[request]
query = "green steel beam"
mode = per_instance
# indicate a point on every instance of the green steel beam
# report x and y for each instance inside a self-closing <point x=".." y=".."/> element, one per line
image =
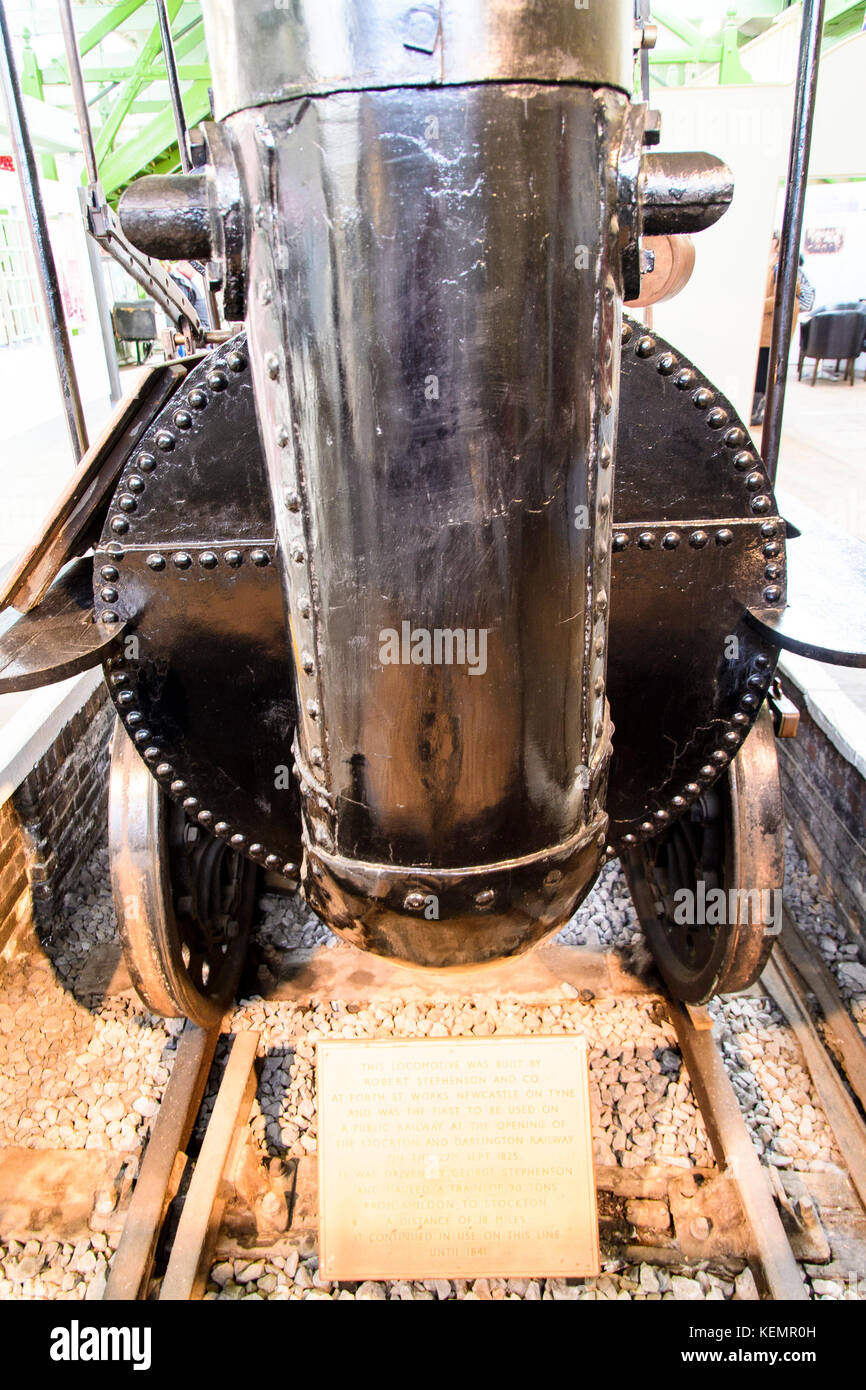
<point x="31" y="86"/>
<point x="731" y="70"/>
<point x="131" y="86"/>
<point x="123" y="164"/>
<point x="116" y="16"/>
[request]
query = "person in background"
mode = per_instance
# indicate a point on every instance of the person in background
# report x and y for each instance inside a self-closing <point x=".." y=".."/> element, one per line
<point x="762" y="373"/>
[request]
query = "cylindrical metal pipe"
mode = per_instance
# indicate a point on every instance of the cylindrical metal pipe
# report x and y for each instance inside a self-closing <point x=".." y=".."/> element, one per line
<point x="792" y="230"/>
<point x="37" y="221"/>
<point x="173" y="85"/>
<point x="79" y="95"/>
<point x="683" y="192"/>
<point x="168" y="216"/>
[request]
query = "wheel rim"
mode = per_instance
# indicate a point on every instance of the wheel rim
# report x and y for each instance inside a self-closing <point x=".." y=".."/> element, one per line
<point x="184" y="900"/>
<point x="732" y="838"/>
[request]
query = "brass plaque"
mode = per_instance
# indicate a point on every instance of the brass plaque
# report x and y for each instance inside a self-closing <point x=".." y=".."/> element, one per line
<point x="455" y="1158"/>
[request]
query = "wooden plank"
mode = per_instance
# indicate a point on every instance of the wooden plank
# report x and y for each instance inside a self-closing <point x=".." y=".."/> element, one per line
<point x="770" y="1251"/>
<point x="208" y="1190"/>
<point x="842" y="1113"/>
<point x="848" y="1041"/>
<point x="132" y="1263"/>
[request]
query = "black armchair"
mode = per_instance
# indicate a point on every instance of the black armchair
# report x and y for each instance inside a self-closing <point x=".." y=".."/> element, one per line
<point x="833" y="333"/>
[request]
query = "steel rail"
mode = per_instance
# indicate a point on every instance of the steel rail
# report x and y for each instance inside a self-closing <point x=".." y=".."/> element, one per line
<point x="37" y="222"/>
<point x="792" y="230"/>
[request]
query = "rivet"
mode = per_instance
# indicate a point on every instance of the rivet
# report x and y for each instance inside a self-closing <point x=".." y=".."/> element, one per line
<point x="485" y="897"/>
<point x="768" y="530"/>
<point x="661" y="816"/>
<point x="601" y="601"/>
<point x="126" y="502"/>
<point x="721" y="757"/>
<point x="754" y="482"/>
<point x="645" y="347"/>
<point x="717" y="418"/>
<point x="760" y="505"/>
<point x="749" y="702"/>
<point x="323" y="837"/>
<point x="646" y="540"/>
<point x="304" y="606"/>
<point x="772" y="593"/>
<point x="414" y="902"/>
<point x="234" y="558"/>
<point x="313" y="709"/>
<point x="217" y="381"/>
<point x="605" y="456"/>
<point x="724" y="536"/>
<point x="620" y="541"/>
<point x="692" y="789"/>
<point x="679" y="802"/>
<point x="732" y="738"/>
<point x="109" y="618"/>
<point x="757" y="682"/>
<point x="135" y="483"/>
<point x="307" y="662"/>
<point x="205" y="817"/>
<point x="197" y="399"/>
<point x="152" y="754"/>
<point x="115" y="550"/>
<point x="178" y="787"/>
<point x="282" y="436"/>
<point x="604" y="504"/>
<point x="146" y="462"/>
<point x="222" y="828"/>
<point x="626" y="332"/>
<point x="119" y="525"/>
<point x="629" y="839"/>
<point x="762" y="662"/>
<point x="599" y="729"/>
<point x="165" y="770"/>
<point x="685" y="379"/>
<point x="598" y="688"/>
<point x="670" y="540"/>
<point x="740" y="719"/>
<point x="698" y="539"/>
<point x="770" y="571"/>
<point x="134" y="718"/>
<point x="260" y="557"/>
<point x="599" y="646"/>
<point x="125" y="697"/>
<point x="109" y="573"/>
<point x="293" y="502"/>
<point x="315" y="869"/>
<point x="266" y="293"/>
<point x="707" y="772"/>
<point x="735" y="438"/>
<point x="238" y="841"/>
<point x="298" y="554"/>
<point x="316" y="757"/>
<point x="256" y="850"/>
<point x="272" y="365"/>
<point x="208" y="560"/>
<point x="236" y="360"/>
<point x="143" y="735"/>
<point x="181" y="560"/>
<point x="771" y="550"/>
<point x="164" y="441"/>
<point x="182" y="420"/>
<point x="191" y="804"/>
<point x="155" y="562"/>
<point x="110" y="595"/>
<point x="666" y="364"/>
<point x="703" y="398"/>
<point x="647" y="827"/>
<point x="272" y="861"/>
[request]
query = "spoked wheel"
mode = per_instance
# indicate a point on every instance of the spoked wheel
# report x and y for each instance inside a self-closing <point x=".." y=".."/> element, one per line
<point x="706" y="942"/>
<point x="184" y="900"/>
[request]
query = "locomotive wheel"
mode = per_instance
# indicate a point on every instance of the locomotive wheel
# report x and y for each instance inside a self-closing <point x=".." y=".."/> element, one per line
<point x="184" y="900"/>
<point x="732" y="838"/>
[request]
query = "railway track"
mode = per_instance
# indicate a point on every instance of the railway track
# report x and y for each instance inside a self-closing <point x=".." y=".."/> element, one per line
<point x="184" y="1213"/>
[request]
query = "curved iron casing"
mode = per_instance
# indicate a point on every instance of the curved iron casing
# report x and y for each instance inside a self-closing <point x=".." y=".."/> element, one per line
<point x="209" y="681"/>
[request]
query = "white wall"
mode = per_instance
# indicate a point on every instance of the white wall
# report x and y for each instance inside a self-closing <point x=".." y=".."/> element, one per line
<point x="717" y="318"/>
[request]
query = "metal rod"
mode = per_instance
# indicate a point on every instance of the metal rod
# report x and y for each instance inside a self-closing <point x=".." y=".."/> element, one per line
<point x="173" y="85"/>
<point x="102" y="306"/>
<point x="792" y="230"/>
<point x="25" y="163"/>
<point x="79" y="94"/>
